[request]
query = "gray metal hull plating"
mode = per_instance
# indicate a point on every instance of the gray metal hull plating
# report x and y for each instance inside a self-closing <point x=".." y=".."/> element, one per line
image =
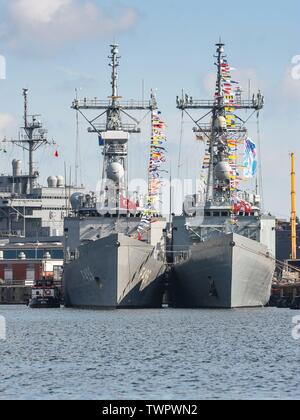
<point x="114" y="272"/>
<point x="229" y="271"/>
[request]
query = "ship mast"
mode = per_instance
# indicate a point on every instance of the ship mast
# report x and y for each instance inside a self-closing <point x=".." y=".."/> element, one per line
<point x="31" y="141"/>
<point x="113" y="113"/>
<point x="218" y="190"/>
<point x="217" y="112"/>
<point x="114" y="134"/>
<point x="220" y="52"/>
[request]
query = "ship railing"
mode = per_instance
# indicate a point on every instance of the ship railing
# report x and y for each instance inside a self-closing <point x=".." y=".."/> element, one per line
<point x="117" y="150"/>
<point x="195" y="104"/>
<point x="40" y="136"/>
<point x="101" y="128"/>
<point x="101" y="104"/>
<point x="210" y="104"/>
<point x="207" y="128"/>
<point x="181" y="256"/>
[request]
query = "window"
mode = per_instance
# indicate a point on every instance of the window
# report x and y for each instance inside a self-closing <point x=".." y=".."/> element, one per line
<point x="216" y="214"/>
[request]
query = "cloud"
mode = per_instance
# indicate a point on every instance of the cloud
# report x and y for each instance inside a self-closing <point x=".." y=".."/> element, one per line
<point x="75" y="79"/>
<point x="291" y="86"/>
<point x="51" y="24"/>
<point x="7" y="123"/>
<point x="209" y="83"/>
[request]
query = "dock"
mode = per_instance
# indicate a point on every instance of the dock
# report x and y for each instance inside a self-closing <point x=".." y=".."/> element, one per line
<point x="18" y="276"/>
<point x="286" y="296"/>
<point x="14" y="295"/>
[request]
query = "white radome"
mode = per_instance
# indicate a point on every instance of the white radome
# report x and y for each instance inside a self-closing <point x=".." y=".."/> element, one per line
<point x="115" y="172"/>
<point x="52" y="182"/>
<point x="222" y="123"/>
<point x="223" y="171"/>
<point x="60" y="181"/>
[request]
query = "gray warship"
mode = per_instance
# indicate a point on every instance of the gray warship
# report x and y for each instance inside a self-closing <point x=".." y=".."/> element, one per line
<point x="223" y="246"/>
<point x="110" y="261"/>
<point x="28" y="210"/>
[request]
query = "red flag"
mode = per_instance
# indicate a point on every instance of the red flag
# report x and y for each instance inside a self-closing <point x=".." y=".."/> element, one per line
<point x="125" y="203"/>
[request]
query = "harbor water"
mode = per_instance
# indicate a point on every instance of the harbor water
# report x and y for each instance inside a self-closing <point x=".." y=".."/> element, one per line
<point x="150" y="354"/>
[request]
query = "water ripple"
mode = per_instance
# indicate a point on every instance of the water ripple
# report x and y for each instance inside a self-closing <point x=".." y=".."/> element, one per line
<point x="167" y="354"/>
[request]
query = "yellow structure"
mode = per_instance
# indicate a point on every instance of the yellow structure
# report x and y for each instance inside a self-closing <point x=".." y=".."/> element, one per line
<point x="294" y="211"/>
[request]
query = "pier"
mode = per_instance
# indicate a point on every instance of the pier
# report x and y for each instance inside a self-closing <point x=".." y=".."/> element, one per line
<point x="286" y="285"/>
<point x="15" y="294"/>
<point x="286" y="296"/>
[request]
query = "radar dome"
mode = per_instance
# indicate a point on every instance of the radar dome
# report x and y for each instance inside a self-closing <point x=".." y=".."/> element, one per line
<point x="223" y="171"/>
<point x="115" y="172"/>
<point x="17" y="167"/>
<point x="52" y="181"/>
<point x="60" y="181"/>
<point x="222" y="125"/>
<point x="76" y="201"/>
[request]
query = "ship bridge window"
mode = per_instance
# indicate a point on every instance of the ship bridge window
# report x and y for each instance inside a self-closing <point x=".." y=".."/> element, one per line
<point x="216" y="214"/>
<point x="225" y="214"/>
<point x="207" y="214"/>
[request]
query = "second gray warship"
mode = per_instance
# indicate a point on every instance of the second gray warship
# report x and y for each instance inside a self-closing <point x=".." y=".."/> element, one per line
<point x="223" y="247"/>
<point x="114" y="250"/>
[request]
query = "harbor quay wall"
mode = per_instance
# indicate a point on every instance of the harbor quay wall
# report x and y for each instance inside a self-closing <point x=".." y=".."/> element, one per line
<point x="14" y="295"/>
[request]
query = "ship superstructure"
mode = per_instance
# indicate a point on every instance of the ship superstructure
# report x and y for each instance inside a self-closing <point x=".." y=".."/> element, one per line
<point x="27" y="209"/>
<point x="111" y="259"/>
<point x="223" y="244"/>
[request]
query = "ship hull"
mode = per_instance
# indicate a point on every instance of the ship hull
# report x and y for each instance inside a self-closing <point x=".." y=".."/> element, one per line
<point x="229" y="271"/>
<point x="44" y="304"/>
<point x="114" y="272"/>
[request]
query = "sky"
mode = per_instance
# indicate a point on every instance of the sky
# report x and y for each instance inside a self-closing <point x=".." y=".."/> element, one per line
<point x="53" y="47"/>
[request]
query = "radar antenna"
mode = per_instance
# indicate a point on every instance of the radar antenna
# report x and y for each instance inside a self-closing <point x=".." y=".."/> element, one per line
<point x="33" y="138"/>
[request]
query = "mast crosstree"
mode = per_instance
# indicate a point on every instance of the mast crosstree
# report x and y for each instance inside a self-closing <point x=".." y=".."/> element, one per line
<point x="115" y="106"/>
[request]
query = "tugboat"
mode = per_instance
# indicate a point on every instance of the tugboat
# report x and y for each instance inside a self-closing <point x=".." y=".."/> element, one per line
<point x="45" y="294"/>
